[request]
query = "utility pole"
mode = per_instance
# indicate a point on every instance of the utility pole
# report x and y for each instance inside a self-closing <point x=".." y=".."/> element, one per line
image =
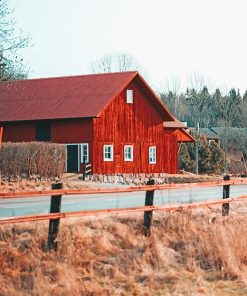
<point x="197" y="147"/>
<point x="225" y="148"/>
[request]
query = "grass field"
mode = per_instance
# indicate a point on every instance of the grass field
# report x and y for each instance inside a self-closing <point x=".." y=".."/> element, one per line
<point x="188" y="253"/>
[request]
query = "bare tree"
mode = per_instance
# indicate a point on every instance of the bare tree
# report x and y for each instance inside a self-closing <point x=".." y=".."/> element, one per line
<point x="171" y="95"/>
<point x="126" y="62"/>
<point x="173" y="84"/>
<point x="115" y="62"/>
<point x="103" y="64"/>
<point x="11" y="41"/>
<point x="197" y="81"/>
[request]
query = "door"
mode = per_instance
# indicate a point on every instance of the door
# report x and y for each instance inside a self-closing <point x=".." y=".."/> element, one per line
<point x="72" y="159"/>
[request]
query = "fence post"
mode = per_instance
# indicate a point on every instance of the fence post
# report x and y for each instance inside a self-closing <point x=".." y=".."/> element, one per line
<point x="149" y="199"/>
<point x="84" y="169"/>
<point x="226" y="194"/>
<point x="55" y="207"/>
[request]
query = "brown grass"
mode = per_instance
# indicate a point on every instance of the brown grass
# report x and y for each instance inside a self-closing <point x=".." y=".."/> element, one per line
<point x="193" y="253"/>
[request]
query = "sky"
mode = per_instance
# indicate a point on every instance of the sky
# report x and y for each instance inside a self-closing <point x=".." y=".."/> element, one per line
<point x="172" y="40"/>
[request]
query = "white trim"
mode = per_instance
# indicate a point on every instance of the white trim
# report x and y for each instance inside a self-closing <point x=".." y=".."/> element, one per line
<point x="87" y="156"/>
<point x="131" y="152"/>
<point x="152" y="154"/>
<point x="129" y="96"/>
<point x="111" y="153"/>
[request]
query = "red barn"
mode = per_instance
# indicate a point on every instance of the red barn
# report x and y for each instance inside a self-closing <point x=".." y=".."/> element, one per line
<point x="114" y="121"/>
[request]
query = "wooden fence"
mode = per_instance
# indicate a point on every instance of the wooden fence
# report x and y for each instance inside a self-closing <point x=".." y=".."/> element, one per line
<point x="56" y="198"/>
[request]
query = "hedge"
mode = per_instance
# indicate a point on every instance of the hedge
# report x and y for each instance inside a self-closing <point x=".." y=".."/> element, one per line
<point x="33" y="158"/>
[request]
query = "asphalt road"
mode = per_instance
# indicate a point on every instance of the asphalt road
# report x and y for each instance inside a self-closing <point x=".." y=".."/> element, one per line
<point x="38" y="205"/>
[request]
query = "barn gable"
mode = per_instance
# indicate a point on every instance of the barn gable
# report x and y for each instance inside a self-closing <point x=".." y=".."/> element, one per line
<point x="82" y="96"/>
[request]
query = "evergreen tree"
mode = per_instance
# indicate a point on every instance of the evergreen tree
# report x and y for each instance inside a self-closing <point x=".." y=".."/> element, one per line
<point x="211" y="157"/>
<point x="199" y="105"/>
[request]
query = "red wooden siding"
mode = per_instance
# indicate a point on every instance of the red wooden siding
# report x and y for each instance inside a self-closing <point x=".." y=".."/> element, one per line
<point x="170" y="153"/>
<point x="181" y="134"/>
<point x="122" y="122"/>
<point x="72" y="131"/>
<point x="19" y="132"/>
<point x="138" y="124"/>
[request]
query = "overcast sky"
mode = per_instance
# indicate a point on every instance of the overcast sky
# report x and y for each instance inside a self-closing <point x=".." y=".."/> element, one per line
<point x="167" y="37"/>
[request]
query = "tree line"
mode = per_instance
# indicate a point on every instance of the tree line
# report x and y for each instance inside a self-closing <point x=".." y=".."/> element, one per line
<point x="208" y="109"/>
<point x="203" y="109"/>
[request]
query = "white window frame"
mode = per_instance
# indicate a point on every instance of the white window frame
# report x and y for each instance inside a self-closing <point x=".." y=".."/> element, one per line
<point x="82" y="152"/>
<point x="129" y="96"/>
<point x="111" y="153"/>
<point x="127" y="149"/>
<point x="152" y="154"/>
<point x="210" y="141"/>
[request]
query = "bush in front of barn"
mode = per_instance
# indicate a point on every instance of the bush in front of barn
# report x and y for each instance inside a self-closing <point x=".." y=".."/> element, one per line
<point x="33" y="158"/>
<point x="210" y="157"/>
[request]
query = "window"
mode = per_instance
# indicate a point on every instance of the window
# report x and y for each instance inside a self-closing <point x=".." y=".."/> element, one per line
<point x="129" y="96"/>
<point x="211" y="141"/>
<point x="128" y="153"/>
<point x="43" y="131"/>
<point x="84" y="153"/>
<point x="152" y="154"/>
<point x="108" y="152"/>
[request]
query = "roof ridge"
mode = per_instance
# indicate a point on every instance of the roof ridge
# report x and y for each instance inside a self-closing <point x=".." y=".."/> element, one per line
<point x="69" y="76"/>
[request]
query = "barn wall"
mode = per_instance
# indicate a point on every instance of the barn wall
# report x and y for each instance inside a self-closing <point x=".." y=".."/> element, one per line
<point x="182" y="135"/>
<point x="139" y="124"/>
<point x="62" y="131"/>
<point x="72" y="131"/>
<point x="19" y="132"/>
<point x="170" y="153"/>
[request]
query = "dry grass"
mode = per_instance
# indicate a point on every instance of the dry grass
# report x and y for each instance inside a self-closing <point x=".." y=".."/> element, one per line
<point x="195" y="253"/>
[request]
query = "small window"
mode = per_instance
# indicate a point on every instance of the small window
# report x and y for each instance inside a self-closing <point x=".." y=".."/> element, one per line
<point x="129" y="96"/>
<point x="128" y="153"/>
<point x="84" y="153"/>
<point x="108" y="152"/>
<point x="43" y="131"/>
<point x="152" y="154"/>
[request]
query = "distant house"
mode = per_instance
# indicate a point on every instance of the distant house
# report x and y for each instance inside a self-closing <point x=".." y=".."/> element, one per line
<point x="114" y="121"/>
<point x="208" y="133"/>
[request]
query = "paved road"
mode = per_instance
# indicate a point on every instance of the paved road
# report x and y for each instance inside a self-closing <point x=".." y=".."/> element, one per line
<point x="34" y="205"/>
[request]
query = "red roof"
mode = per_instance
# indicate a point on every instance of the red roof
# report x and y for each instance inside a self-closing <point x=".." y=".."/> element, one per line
<point x="179" y="129"/>
<point x="174" y="124"/>
<point x="66" y="97"/>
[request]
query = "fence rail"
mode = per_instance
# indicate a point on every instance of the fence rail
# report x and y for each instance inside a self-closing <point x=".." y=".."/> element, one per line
<point x="170" y="208"/>
<point x="40" y="193"/>
<point x="57" y="192"/>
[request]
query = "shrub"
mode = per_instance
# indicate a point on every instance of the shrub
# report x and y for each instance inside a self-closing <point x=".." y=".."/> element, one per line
<point x="34" y="158"/>
<point x="211" y="157"/>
